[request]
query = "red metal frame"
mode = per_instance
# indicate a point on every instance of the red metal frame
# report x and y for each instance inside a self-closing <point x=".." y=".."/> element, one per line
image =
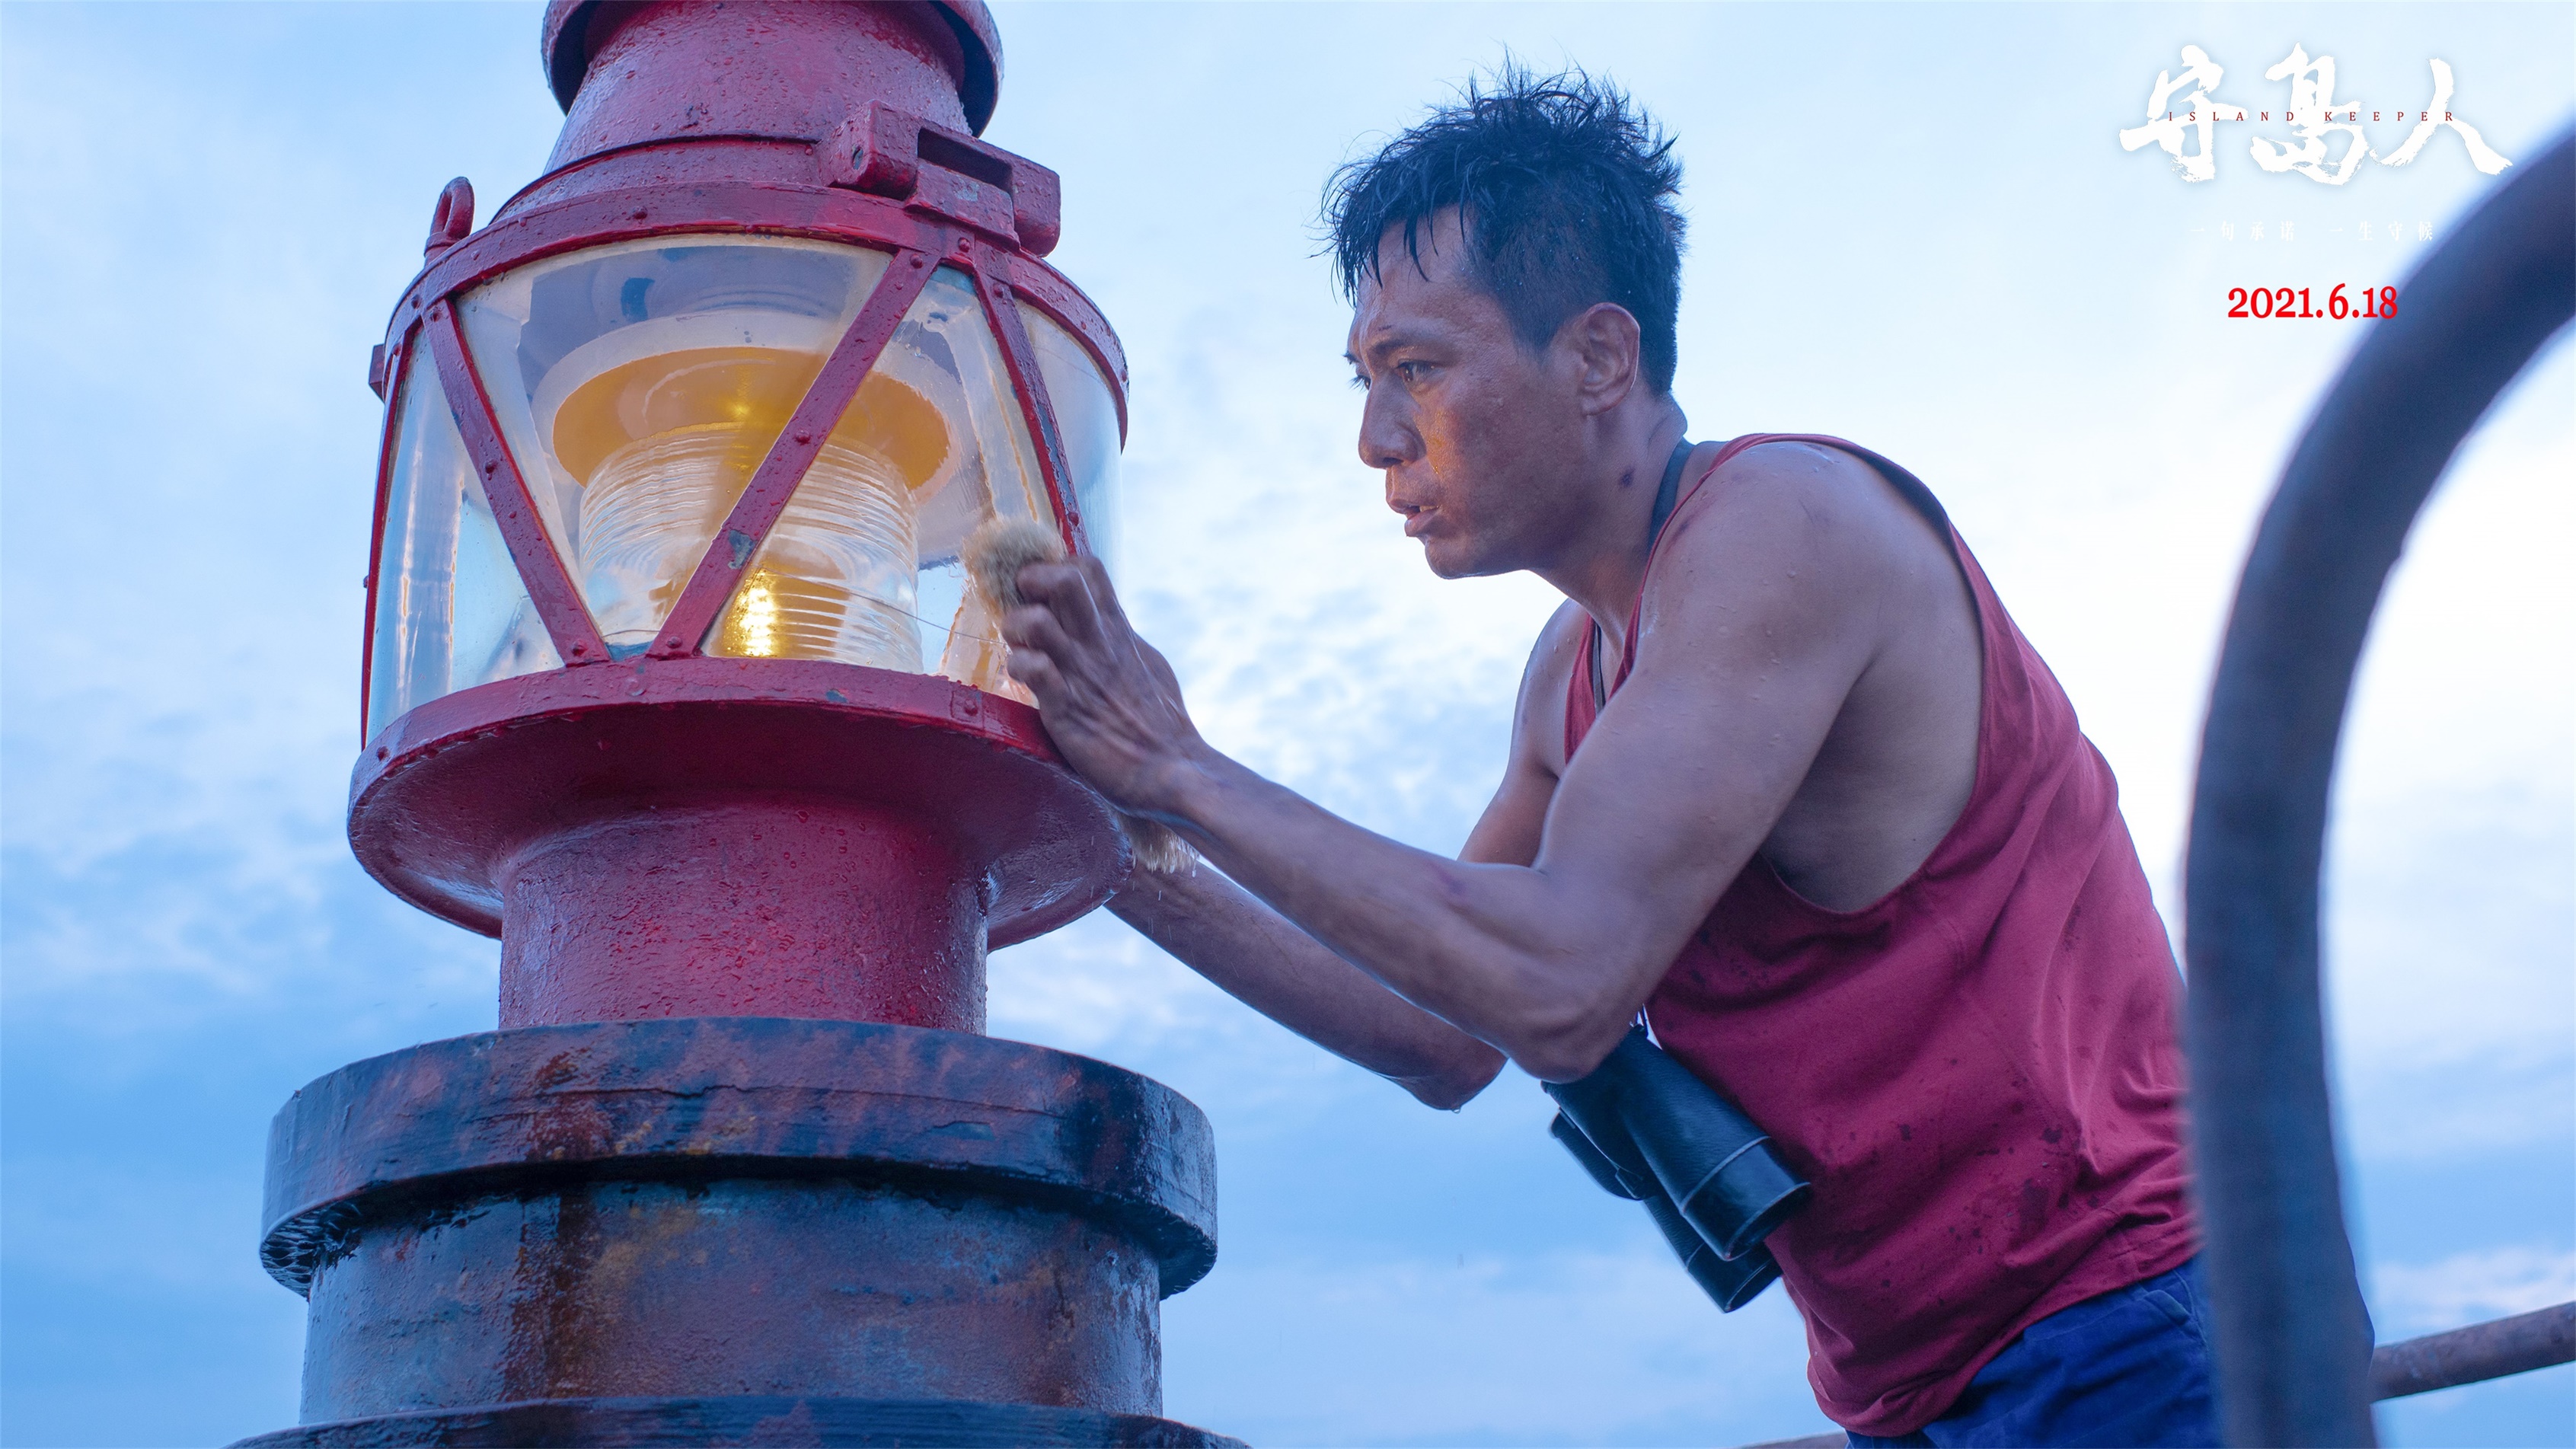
<point x="452" y="221"/>
<point x="532" y="549"/>
<point x="1029" y="385"/>
<point x="929" y="167"/>
<point x="595" y="221"/>
<point x="742" y="208"/>
<point x="1064" y="303"/>
<point x="757" y="188"/>
<point x="765" y="497"/>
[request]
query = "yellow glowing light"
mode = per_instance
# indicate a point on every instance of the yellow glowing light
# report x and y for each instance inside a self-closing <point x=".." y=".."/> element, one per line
<point x="752" y="389"/>
<point x="751" y="626"/>
<point x="664" y="446"/>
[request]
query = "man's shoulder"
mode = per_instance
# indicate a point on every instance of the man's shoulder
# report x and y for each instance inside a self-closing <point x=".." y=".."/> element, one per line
<point x="1827" y="517"/>
<point x="1817" y="475"/>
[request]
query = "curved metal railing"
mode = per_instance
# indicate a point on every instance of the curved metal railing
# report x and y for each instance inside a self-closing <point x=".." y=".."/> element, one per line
<point x="2293" y="1341"/>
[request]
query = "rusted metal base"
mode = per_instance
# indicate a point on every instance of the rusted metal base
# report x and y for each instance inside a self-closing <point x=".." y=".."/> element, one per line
<point x="696" y="1423"/>
<point x="721" y="1230"/>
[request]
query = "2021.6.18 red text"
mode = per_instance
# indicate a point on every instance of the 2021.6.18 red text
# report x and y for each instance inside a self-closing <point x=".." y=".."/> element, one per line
<point x="2375" y="302"/>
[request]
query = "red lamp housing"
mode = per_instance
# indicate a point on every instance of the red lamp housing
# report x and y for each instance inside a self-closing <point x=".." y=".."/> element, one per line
<point x="680" y="451"/>
<point x="674" y="682"/>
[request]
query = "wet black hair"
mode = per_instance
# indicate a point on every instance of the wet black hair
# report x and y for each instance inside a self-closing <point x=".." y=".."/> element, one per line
<point x="1567" y="192"/>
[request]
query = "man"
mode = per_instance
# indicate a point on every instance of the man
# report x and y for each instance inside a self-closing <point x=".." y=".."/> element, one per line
<point x="1784" y="777"/>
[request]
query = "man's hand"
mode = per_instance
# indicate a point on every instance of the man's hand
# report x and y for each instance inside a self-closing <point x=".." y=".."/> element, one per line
<point x="1111" y="702"/>
<point x="1114" y="709"/>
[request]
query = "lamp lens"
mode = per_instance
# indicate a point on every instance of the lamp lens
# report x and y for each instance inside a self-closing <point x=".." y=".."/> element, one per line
<point x="640" y="384"/>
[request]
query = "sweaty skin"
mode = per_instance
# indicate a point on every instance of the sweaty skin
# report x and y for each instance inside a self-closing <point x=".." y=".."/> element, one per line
<point x="1806" y="688"/>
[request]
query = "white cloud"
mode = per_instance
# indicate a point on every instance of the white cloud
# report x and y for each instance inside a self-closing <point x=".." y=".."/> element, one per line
<point x="1579" y="1347"/>
<point x="1094" y="985"/>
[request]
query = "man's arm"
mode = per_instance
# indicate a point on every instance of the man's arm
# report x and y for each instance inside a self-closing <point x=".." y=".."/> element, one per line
<point x="1263" y="960"/>
<point x="1758" y="620"/>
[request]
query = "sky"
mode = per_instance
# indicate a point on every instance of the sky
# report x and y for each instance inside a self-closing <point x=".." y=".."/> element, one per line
<point x="1913" y="226"/>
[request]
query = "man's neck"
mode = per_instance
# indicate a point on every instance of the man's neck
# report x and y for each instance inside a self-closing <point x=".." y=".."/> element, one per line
<point x="1605" y="565"/>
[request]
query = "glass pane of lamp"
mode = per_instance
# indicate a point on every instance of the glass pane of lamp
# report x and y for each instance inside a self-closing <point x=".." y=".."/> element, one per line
<point x="451" y="612"/>
<point x="639" y="385"/>
<point x="1086" y="415"/>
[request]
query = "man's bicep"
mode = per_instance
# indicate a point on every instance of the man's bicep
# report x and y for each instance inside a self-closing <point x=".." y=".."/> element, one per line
<point x="1753" y="635"/>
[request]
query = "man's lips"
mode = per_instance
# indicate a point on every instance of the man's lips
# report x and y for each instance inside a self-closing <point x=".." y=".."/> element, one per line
<point x="1418" y="519"/>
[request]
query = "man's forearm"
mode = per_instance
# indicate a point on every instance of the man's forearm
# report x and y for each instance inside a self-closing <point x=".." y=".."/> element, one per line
<point x="1266" y="962"/>
<point x="1477" y="944"/>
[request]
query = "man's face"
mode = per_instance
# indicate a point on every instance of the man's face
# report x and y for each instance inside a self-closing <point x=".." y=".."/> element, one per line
<point x="1480" y="438"/>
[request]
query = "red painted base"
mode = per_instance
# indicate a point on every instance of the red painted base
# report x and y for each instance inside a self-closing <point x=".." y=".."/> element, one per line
<point x="719" y="837"/>
<point x="784" y="905"/>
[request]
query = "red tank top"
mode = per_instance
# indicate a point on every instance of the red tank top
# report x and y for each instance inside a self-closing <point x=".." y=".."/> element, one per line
<point x="1980" y="1073"/>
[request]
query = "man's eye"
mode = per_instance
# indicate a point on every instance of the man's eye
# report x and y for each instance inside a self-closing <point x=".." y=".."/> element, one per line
<point x="1413" y="372"/>
<point x="1360" y="380"/>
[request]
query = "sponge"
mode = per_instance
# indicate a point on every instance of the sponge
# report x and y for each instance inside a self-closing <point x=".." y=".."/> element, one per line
<point x="996" y="552"/>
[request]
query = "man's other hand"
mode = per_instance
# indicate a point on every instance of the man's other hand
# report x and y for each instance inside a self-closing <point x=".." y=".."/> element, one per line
<point x="1110" y="701"/>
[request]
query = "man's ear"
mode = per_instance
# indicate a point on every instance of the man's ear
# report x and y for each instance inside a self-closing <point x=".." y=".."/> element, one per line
<point x="1606" y="340"/>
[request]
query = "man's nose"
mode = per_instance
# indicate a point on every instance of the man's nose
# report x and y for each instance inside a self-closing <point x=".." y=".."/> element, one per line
<point x="1387" y="437"/>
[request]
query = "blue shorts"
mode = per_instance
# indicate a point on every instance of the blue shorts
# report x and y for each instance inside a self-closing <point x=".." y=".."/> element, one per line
<point x="2130" y="1367"/>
